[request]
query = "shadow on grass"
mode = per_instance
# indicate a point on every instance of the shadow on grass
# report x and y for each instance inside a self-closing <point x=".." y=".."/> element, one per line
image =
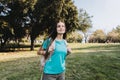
<point x="15" y="48"/>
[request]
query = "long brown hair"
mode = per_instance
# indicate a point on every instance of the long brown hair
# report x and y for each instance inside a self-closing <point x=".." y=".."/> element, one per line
<point x="54" y="32"/>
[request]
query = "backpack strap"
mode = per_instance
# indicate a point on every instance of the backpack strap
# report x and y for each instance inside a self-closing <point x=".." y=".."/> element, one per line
<point x="48" y="45"/>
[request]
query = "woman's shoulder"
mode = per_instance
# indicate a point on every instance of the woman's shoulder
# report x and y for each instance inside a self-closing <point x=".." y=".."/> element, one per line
<point x="65" y="41"/>
<point x="47" y="39"/>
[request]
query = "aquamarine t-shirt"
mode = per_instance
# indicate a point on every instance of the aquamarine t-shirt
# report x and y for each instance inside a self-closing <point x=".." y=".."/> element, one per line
<point x="55" y="64"/>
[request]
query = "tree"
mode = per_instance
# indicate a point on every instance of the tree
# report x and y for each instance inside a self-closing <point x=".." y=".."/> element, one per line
<point x="42" y="16"/>
<point x="98" y="37"/>
<point x="5" y="33"/>
<point x="118" y="31"/>
<point x="114" y="35"/>
<point x="85" y="23"/>
<point x="74" y="37"/>
<point x="16" y="16"/>
<point x="48" y="12"/>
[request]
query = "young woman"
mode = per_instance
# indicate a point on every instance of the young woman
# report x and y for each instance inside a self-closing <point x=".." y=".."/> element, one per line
<point x="57" y="50"/>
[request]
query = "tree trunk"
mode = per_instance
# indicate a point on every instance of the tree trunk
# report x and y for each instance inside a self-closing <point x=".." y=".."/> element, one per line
<point x="3" y="44"/>
<point x="32" y="43"/>
<point x="0" y="43"/>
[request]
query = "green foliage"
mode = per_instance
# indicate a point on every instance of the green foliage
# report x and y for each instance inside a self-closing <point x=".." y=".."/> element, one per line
<point x="43" y="14"/>
<point x="98" y="37"/>
<point x="15" y="18"/>
<point x="114" y="35"/>
<point x="74" y="37"/>
<point x="84" y="21"/>
<point x="5" y="30"/>
<point x="49" y="12"/>
<point x="111" y="37"/>
<point x="118" y="31"/>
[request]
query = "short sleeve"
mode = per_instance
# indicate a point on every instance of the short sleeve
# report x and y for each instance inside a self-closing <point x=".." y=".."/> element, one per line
<point x="66" y="43"/>
<point x="45" y="44"/>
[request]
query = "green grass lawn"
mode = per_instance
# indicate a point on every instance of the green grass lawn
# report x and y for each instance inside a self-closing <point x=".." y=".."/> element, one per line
<point x="87" y="62"/>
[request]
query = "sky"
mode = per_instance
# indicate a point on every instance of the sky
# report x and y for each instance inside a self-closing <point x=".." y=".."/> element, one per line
<point x="106" y="13"/>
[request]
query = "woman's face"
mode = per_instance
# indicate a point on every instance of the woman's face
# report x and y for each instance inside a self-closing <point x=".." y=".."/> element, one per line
<point x="61" y="28"/>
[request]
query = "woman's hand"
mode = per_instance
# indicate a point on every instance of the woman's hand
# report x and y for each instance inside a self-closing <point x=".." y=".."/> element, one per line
<point x="68" y="50"/>
<point x="51" y="49"/>
<point x="41" y="51"/>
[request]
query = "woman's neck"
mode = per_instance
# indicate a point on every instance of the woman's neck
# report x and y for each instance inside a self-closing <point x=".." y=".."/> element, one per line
<point x="59" y="37"/>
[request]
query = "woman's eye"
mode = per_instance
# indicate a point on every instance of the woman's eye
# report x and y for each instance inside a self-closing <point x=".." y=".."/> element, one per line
<point x="58" y="26"/>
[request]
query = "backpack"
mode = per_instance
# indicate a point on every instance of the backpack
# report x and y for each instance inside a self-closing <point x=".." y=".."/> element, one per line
<point x="47" y="54"/>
